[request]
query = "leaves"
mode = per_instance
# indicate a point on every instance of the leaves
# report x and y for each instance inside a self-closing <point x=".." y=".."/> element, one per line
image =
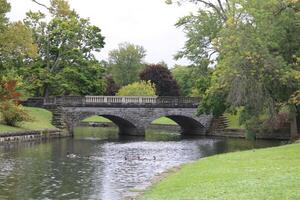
<point x="8" y="91"/>
<point x="126" y="62"/>
<point x="161" y="76"/>
<point x="142" y="88"/>
<point x="67" y="43"/>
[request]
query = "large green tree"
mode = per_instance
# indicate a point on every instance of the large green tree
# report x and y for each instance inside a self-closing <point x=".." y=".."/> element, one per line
<point x="67" y="43"/>
<point x="126" y="62"/>
<point x="16" y="43"/>
<point x="253" y="45"/>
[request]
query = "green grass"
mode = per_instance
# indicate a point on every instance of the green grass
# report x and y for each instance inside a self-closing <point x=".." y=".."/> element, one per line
<point x="272" y="173"/>
<point x="96" y="119"/>
<point x="41" y="119"/>
<point x="162" y="120"/>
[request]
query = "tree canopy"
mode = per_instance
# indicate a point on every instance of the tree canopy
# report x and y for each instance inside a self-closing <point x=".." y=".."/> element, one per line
<point x="142" y="88"/>
<point x="66" y="63"/>
<point x="253" y="47"/>
<point x="126" y="62"/>
<point x="161" y="76"/>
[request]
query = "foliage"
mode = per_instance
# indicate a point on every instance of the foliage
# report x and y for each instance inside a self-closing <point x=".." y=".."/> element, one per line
<point x="161" y="76"/>
<point x="8" y="91"/>
<point x="39" y="119"/>
<point x="183" y="76"/>
<point x="66" y="43"/>
<point x="111" y="86"/>
<point x="16" y="43"/>
<point x="253" y="46"/>
<point x="13" y="113"/>
<point x="4" y="8"/>
<point x="142" y="88"/>
<point x="126" y="62"/>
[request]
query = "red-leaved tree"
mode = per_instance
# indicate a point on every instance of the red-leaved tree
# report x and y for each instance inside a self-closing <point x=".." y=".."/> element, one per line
<point x="161" y="76"/>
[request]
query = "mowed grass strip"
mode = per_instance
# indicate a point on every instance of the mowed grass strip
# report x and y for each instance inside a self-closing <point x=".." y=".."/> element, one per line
<point x="263" y="174"/>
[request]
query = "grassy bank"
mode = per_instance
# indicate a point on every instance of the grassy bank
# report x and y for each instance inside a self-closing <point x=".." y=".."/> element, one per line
<point x="41" y="119"/>
<point x="272" y="173"/>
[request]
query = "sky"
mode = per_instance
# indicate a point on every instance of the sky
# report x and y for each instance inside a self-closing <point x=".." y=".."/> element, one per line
<point x="149" y="23"/>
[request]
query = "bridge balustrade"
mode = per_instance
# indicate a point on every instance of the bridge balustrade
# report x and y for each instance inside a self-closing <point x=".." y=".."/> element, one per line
<point x="121" y="100"/>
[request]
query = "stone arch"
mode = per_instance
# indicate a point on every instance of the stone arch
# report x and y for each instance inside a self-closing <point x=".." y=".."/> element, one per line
<point x="190" y="125"/>
<point x="125" y="126"/>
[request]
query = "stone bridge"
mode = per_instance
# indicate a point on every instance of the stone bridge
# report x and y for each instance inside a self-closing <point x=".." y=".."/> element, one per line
<point x="131" y="114"/>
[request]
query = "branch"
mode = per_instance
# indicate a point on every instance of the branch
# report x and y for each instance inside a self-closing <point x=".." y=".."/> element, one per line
<point x="228" y="5"/>
<point x="213" y="7"/>
<point x="40" y="4"/>
<point x="221" y="7"/>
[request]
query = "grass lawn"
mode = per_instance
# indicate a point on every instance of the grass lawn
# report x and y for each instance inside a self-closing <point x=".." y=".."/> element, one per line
<point x="272" y="173"/>
<point x="162" y="121"/>
<point x="41" y="119"/>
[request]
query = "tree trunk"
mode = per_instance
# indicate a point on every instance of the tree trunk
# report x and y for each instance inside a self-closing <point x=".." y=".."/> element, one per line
<point x="294" y="129"/>
<point x="298" y="120"/>
<point x="46" y="90"/>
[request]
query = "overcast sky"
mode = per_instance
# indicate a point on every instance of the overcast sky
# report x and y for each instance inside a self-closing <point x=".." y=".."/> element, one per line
<point x="149" y="23"/>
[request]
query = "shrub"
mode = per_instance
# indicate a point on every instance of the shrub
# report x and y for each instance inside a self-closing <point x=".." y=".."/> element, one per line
<point x="142" y="88"/>
<point x="13" y="113"/>
<point x="10" y="110"/>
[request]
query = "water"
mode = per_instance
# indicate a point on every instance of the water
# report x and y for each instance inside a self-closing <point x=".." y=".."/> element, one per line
<point x="105" y="167"/>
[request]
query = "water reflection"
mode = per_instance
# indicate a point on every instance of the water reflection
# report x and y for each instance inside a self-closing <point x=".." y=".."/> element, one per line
<point x="106" y="166"/>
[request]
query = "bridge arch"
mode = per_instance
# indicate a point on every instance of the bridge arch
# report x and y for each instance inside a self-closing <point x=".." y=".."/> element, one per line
<point x="188" y="124"/>
<point x="126" y="126"/>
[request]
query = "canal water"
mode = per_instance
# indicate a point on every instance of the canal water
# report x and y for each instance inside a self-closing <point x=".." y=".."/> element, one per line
<point x="98" y="164"/>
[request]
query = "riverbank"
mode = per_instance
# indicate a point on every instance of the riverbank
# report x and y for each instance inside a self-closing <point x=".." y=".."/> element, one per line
<point x="39" y="128"/>
<point x="271" y="173"/>
<point x="40" y="120"/>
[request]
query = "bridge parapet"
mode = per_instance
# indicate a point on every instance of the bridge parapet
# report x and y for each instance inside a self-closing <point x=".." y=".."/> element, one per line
<point x="127" y="101"/>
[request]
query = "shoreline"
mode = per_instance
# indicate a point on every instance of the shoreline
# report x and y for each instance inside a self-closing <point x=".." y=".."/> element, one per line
<point x="31" y="135"/>
<point x="191" y="165"/>
<point x="137" y="193"/>
<point x="226" y="133"/>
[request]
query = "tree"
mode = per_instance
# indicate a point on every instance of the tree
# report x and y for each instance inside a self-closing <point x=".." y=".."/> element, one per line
<point x="254" y="46"/>
<point x="162" y="78"/>
<point x="142" y="88"/>
<point x="192" y="80"/>
<point x="66" y="63"/>
<point x="16" y="43"/>
<point x="10" y="109"/>
<point x="126" y="63"/>
<point x="111" y="86"/>
<point x="182" y="75"/>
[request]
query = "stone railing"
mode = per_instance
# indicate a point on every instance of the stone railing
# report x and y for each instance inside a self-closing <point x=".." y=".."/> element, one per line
<point x="122" y="101"/>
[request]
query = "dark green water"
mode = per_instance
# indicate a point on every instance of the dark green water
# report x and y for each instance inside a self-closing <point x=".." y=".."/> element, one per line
<point x="104" y="166"/>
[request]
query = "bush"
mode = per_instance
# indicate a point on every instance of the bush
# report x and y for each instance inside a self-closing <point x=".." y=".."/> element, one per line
<point x="13" y="113"/>
<point x="142" y="88"/>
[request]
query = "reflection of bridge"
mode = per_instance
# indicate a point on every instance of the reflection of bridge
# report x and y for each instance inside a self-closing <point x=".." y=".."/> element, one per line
<point x="131" y="114"/>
